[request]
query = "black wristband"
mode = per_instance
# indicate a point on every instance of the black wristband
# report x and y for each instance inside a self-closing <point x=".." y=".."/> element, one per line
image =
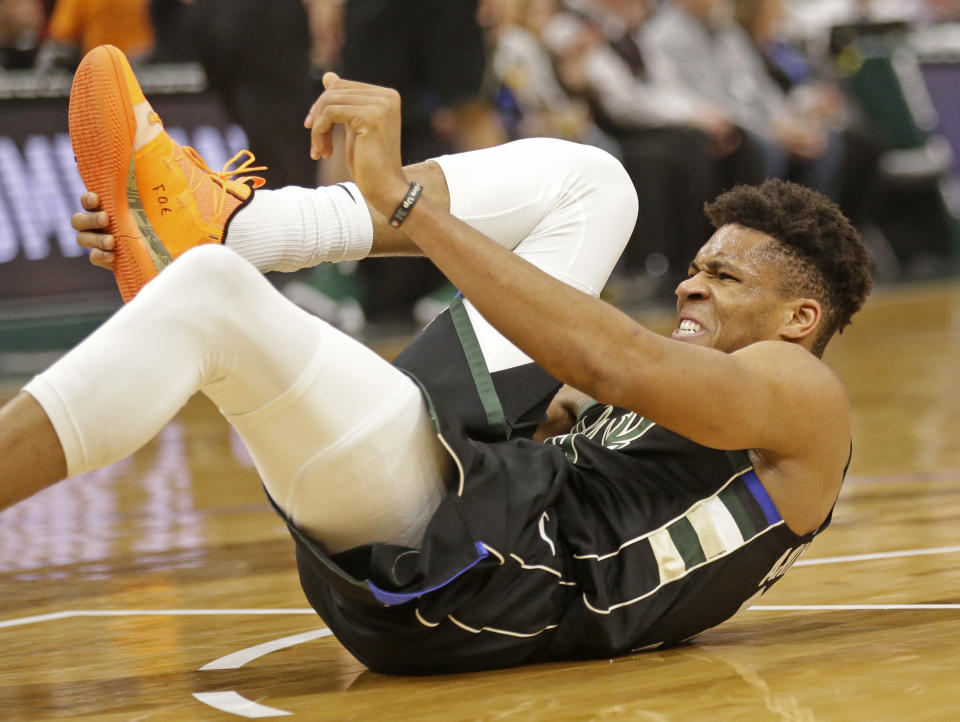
<point x="403" y="210"/>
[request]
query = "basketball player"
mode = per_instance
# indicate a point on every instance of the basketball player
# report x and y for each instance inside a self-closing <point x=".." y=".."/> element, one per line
<point x="454" y="511"/>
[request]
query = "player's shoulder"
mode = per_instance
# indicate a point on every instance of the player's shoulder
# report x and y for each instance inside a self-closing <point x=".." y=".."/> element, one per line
<point x="796" y="369"/>
<point x="784" y="352"/>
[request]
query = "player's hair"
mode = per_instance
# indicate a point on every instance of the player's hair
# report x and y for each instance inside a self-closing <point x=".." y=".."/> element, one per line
<point x="823" y="256"/>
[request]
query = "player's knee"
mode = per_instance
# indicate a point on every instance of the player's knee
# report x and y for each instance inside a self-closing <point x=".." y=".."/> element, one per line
<point x="211" y="260"/>
<point x="586" y="170"/>
<point x="607" y="177"/>
<point x="205" y="280"/>
<point x="211" y="267"/>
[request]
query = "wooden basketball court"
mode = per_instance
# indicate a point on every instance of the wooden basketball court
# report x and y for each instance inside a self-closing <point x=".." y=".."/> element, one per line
<point x="163" y="587"/>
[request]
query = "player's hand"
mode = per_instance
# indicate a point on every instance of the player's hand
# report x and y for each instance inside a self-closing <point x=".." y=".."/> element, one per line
<point x="90" y="234"/>
<point x="561" y="413"/>
<point x="371" y="116"/>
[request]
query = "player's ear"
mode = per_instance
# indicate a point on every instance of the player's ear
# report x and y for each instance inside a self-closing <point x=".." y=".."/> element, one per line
<point x="801" y="319"/>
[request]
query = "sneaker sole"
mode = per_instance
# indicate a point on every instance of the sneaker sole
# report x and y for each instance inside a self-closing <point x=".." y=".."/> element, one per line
<point x="102" y="128"/>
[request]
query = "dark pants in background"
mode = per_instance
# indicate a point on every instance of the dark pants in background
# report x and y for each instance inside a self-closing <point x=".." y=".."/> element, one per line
<point x="257" y="58"/>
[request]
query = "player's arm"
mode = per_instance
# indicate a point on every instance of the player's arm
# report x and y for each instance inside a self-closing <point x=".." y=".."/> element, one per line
<point x="774" y="395"/>
<point x="720" y="400"/>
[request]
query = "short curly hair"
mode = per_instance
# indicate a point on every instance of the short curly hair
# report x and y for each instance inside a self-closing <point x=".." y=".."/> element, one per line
<point x="824" y="257"/>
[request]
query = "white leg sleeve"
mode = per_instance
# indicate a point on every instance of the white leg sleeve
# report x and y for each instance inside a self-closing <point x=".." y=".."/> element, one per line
<point x="340" y="437"/>
<point x="567" y="208"/>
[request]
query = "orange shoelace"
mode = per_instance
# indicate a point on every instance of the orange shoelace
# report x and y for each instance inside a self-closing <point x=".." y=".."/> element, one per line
<point x="225" y="175"/>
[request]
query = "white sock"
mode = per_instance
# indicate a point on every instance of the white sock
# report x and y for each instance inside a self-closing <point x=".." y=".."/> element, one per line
<point x="293" y="227"/>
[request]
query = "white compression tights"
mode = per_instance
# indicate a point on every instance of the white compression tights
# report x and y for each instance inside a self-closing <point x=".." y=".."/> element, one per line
<point x="340" y="437"/>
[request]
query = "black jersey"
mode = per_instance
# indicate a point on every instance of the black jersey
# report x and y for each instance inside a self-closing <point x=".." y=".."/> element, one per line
<point x="668" y="537"/>
<point x="617" y="536"/>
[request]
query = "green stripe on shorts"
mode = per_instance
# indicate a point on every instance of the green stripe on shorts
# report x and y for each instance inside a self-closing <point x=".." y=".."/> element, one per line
<point x="496" y="419"/>
<point x="687" y="542"/>
<point x="728" y="497"/>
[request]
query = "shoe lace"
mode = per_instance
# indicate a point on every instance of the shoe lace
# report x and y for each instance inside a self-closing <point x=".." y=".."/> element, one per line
<point x="224" y="175"/>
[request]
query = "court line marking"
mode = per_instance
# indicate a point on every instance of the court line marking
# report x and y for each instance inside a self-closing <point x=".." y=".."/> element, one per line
<point x="896" y="554"/>
<point x="876" y="555"/>
<point x="23" y="621"/>
<point x="235" y="660"/>
<point x="845" y="607"/>
<point x="233" y="703"/>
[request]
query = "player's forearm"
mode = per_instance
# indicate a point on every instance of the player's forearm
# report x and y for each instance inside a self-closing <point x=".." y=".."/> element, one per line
<point x="390" y="241"/>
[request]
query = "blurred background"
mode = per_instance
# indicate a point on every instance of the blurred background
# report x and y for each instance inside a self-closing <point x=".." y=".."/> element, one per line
<point x="857" y="98"/>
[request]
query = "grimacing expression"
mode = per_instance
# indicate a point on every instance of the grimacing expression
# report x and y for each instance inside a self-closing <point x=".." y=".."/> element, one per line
<point x="731" y="298"/>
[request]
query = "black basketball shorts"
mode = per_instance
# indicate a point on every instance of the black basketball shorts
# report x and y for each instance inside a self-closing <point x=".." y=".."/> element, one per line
<point x="489" y="583"/>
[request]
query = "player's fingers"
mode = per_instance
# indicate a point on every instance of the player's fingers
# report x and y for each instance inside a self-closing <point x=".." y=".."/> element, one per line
<point x="329" y="79"/>
<point x="103" y="259"/>
<point x="308" y="121"/>
<point x="93" y="240"/>
<point x="333" y="81"/>
<point x="360" y="118"/>
<point x="321" y="142"/>
<point x="87" y="221"/>
<point x="356" y="117"/>
<point x="90" y="201"/>
<point x="349" y="105"/>
<point x="344" y="92"/>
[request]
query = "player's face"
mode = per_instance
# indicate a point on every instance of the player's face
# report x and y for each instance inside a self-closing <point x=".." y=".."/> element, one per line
<point x="730" y="299"/>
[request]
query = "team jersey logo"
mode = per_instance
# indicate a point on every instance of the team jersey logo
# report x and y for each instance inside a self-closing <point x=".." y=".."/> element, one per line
<point x="613" y="431"/>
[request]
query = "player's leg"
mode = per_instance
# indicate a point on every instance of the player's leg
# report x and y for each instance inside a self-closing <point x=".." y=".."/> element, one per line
<point x="32" y="456"/>
<point x="306" y="399"/>
<point x="568" y="209"/>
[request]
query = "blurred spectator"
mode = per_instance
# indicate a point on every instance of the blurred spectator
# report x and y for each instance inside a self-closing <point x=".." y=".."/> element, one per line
<point x="812" y="94"/>
<point x="530" y="99"/>
<point x="819" y="15"/>
<point x="812" y="21"/>
<point x="943" y="11"/>
<point x="678" y="149"/>
<point x="715" y="58"/>
<point x="76" y="26"/>
<point x="21" y="22"/>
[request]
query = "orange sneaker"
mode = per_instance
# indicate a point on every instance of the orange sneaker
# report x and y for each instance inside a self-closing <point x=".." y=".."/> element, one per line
<point x="161" y="198"/>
